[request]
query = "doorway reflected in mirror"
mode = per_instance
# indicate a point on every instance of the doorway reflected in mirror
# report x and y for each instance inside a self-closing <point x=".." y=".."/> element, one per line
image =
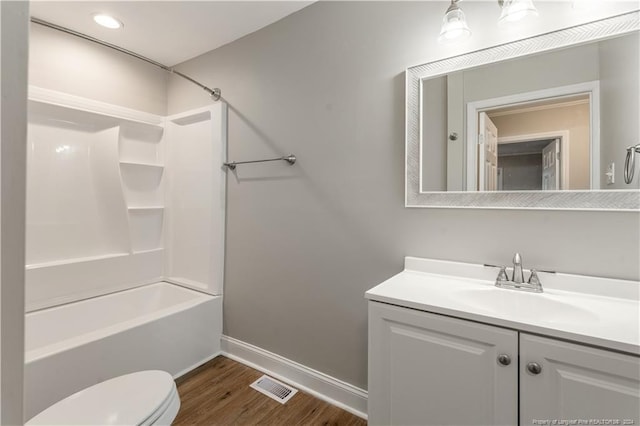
<point x="536" y="146"/>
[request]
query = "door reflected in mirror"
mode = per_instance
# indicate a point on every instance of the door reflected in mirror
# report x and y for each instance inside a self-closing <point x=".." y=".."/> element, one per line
<point x="536" y="146"/>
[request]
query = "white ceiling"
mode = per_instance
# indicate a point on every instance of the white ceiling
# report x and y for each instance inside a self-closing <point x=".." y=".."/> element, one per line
<point x="168" y="32"/>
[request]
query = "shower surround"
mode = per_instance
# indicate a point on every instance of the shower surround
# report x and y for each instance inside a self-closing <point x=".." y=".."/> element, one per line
<point x="125" y="219"/>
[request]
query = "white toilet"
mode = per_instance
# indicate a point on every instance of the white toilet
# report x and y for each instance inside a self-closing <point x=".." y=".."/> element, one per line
<point x="141" y="398"/>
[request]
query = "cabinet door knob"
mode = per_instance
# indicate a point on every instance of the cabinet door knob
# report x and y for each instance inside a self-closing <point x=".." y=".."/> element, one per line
<point x="534" y="368"/>
<point x="504" y="359"/>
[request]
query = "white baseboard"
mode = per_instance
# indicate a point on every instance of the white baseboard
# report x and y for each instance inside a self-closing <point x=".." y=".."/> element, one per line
<point x="320" y="385"/>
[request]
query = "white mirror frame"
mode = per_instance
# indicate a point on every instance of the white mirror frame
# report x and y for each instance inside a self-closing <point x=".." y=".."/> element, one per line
<point x="550" y="200"/>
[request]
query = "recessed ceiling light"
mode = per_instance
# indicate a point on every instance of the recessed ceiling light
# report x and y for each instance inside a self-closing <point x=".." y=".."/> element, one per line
<point x="107" y="21"/>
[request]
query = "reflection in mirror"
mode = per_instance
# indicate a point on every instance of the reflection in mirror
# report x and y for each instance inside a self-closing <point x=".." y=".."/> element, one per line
<point x="537" y="145"/>
<point x="559" y="120"/>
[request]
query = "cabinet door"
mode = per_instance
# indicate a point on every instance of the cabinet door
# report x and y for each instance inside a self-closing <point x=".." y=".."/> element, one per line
<point x="577" y="382"/>
<point x="427" y="369"/>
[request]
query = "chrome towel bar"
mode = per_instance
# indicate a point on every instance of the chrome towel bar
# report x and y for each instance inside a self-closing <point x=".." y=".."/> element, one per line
<point x="291" y="159"/>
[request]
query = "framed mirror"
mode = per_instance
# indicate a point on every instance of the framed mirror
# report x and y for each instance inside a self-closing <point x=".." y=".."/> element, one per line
<point x="540" y="123"/>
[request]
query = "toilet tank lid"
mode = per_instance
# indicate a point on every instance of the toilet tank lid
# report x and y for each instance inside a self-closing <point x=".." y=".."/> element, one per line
<point x="125" y="400"/>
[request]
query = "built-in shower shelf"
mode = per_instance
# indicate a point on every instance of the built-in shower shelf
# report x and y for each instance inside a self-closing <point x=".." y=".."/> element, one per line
<point x="73" y="260"/>
<point x="153" y="250"/>
<point x="143" y="208"/>
<point x="141" y="165"/>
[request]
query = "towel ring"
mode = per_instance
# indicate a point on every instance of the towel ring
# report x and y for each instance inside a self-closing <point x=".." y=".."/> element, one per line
<point x="630" y="163"/>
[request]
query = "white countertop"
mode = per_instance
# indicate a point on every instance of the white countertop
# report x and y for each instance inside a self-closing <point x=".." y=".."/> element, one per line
<point x="597" y="311"/>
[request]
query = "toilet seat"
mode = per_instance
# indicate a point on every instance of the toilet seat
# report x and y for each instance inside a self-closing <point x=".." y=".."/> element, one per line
<point x="141" y="398"/>
<point x="167" y="412"/>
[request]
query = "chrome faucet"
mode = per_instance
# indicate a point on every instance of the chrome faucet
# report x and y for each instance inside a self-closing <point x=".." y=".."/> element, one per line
<point x="518" y="274"/>
<point x="517" y="279"/>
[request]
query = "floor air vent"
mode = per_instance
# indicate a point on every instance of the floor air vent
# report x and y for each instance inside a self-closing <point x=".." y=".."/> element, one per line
<point x="274" y="389"/>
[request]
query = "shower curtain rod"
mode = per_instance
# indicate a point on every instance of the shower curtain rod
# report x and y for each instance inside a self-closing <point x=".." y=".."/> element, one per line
<point x="214" y="93"/>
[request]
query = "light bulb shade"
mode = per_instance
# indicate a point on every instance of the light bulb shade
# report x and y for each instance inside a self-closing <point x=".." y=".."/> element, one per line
<point x="514" y="10"/>
<point x="454" y="25"/>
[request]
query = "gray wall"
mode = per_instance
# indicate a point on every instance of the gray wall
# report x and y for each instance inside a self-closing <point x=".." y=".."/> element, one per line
<point x="65" y="63"/>
<point x="553" y="69"/>
<point x="305" y="242"/>
<point x="521" y="172"/>
<point x="14" y="27"/>
<point x="434" y="119"/>
<point x="619" y="103"/>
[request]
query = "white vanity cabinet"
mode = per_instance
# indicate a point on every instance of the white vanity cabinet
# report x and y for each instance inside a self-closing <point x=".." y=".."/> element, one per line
<point x="431" y="369"/>
<point x="577" y="382"/>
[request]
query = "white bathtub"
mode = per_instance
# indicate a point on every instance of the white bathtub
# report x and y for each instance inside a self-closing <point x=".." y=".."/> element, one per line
<point x="159" y="326"/>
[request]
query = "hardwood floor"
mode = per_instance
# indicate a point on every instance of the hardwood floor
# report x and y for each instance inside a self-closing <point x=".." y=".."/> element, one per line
<point x="218" y="393"/>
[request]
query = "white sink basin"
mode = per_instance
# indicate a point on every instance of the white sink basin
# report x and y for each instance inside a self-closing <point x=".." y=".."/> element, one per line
<point x="541" y="307"/>
<point x="599" y="311"/>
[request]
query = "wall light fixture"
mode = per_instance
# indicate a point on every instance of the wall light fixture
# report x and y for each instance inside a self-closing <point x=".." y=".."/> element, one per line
<point x="515" y="10"/>
<point x="454" y="23"/>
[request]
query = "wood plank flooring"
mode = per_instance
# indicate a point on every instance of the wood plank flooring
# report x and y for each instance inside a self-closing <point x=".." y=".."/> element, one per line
<point x="218" y="393"/>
